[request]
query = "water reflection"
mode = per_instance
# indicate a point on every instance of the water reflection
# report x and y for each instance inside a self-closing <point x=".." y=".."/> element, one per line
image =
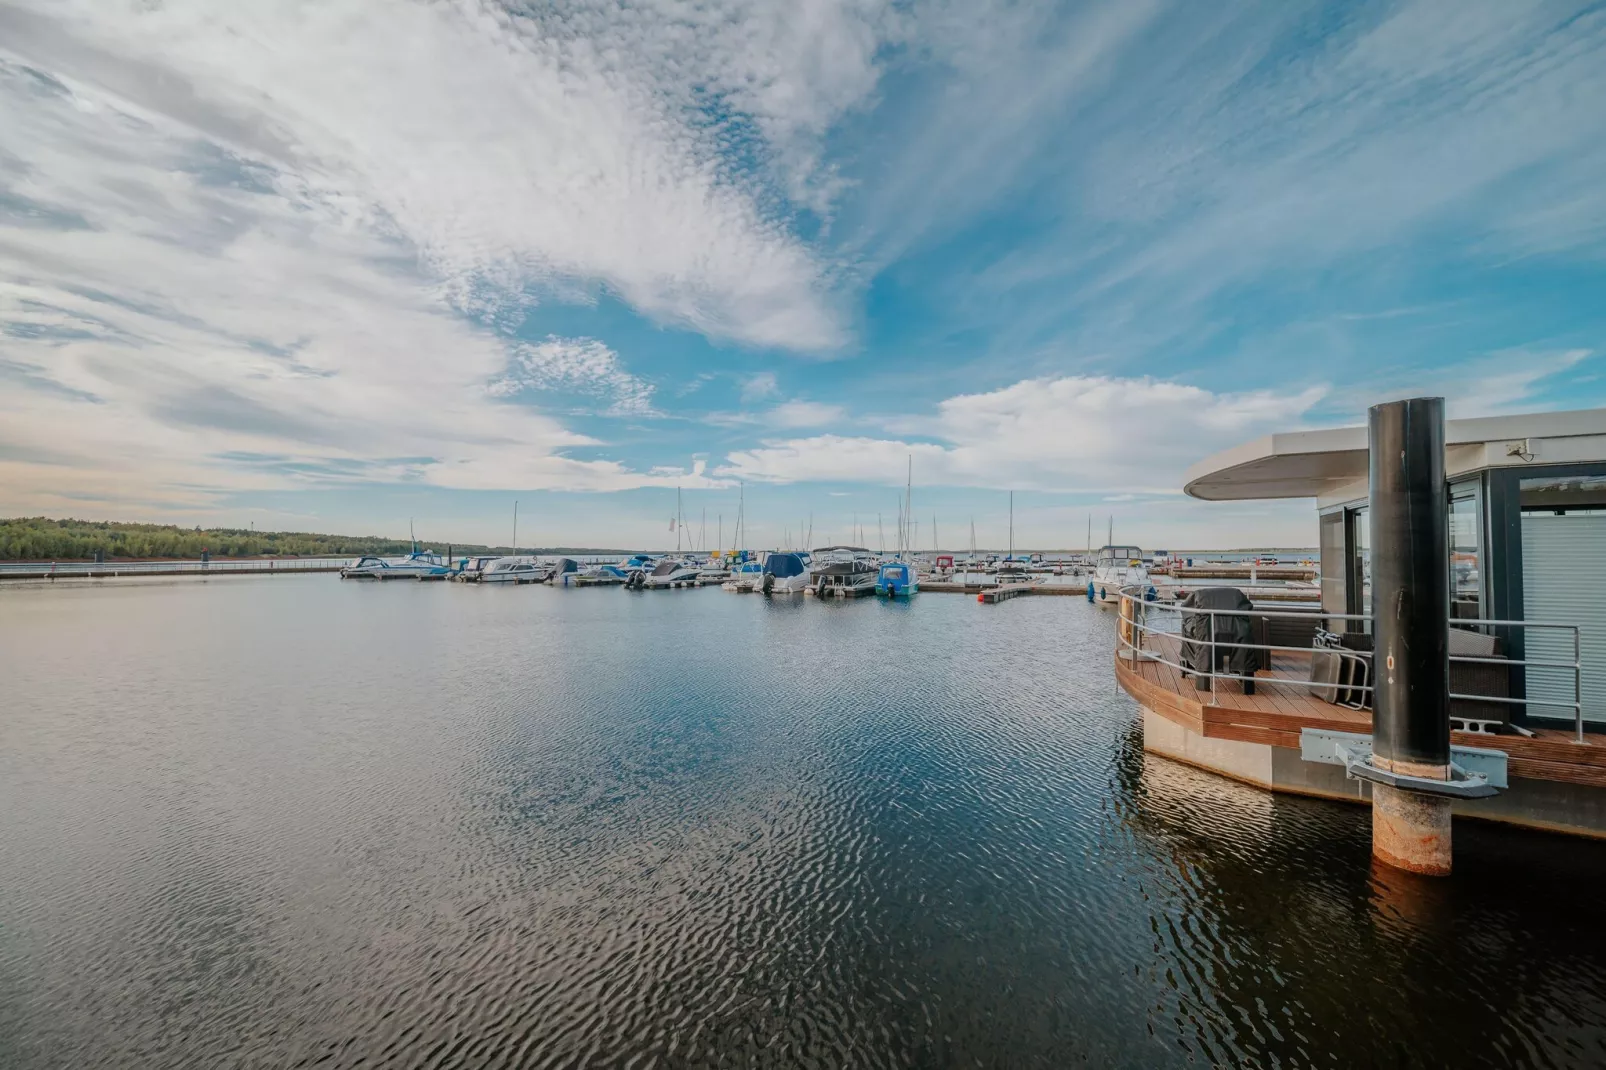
<point x="295" y="822"/>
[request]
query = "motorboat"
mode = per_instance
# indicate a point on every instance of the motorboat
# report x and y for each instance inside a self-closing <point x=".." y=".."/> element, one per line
<point x="712" y="572"/>
<point x="601" y="576"/>
<point x="468" y="571"/>
<point x="786" y="572"/>
<point x="420" y="564"/>
<point x="561" y="573"/>
<point x="637" y="563"/>
<point x="897" y="579"/>
<point x="665" y="574"/>
<point x="1114" y="568"/>
<point x="1013" y="570"/>
<point x="745" y="576"/>
<point x="844" y="571"/>
<point x="512" y="570"/>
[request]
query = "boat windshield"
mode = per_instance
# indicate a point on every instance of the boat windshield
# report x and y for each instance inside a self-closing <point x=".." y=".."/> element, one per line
<point x="666" y="568"/>
<point x="782" y="566"/>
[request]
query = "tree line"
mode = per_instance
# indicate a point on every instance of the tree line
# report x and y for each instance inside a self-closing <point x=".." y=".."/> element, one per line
<point x="38" y="538"/>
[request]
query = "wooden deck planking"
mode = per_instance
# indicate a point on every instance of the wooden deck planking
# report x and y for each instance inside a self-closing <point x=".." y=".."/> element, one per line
<point x="1276" y="715"/>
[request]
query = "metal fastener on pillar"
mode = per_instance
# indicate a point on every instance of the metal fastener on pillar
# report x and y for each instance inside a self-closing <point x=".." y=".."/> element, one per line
<point x="1411" y="633"/>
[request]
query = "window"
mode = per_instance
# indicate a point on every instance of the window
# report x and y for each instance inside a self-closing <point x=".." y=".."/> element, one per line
<point x="1360" y="560"/>
<point x="1466" y="552"/>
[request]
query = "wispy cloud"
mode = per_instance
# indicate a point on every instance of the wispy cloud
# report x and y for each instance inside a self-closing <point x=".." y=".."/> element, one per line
<point x="581" y="365"/>
<point x="1075" y="433"/>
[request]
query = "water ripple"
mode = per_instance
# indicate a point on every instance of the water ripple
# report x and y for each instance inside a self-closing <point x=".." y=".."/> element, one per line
<point x="294" y="822"/>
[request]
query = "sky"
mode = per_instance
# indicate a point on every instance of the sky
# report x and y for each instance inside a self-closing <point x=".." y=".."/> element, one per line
<point x="356" y="265"/>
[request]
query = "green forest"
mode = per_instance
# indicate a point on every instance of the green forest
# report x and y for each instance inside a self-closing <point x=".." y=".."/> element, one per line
<point x="39" y="538"/>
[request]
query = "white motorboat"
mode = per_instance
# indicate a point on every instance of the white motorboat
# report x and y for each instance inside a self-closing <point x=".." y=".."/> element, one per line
<point x="471" y="567"/>
<point x="420" y="564"/>
<point x="601" y="576"/>
<point x="745" y="576"/>
<point x="1117" y="567"/>
<point x="844" y="571"/>
<point x="560" y="573"/>
<point x="665" y="574"/>
<point x="786" y="572"/>
<point x="512" y="570"/>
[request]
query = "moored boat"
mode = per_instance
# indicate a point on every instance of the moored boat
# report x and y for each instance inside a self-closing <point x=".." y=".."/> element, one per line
<point x="786" y="572"/>
<point x="1117" y="567"/>
<point x="512" y="570"/>
<point x="666" y="574"/>
<point x="420" y="564"/>
<point x="745" y="576"/>
<point x="897" y="579"/>
<point x="844" y="571"/>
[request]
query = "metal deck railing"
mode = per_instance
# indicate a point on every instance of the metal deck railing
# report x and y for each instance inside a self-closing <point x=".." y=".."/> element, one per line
<point x="1139" y="617"/>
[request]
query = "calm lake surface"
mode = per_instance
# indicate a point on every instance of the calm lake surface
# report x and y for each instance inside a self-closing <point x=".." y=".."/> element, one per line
<point x="291" y="821"/>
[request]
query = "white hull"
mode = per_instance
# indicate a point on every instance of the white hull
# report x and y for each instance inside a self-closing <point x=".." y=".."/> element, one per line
<point x="792" y="584"/>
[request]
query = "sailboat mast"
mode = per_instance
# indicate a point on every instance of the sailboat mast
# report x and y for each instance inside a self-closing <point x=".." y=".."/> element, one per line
<point x="515" y="526"/>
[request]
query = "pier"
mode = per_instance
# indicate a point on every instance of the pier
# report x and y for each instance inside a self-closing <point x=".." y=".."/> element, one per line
<point x="50" y="570"/>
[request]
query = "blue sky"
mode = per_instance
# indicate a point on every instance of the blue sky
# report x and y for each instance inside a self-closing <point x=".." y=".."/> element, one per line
<point x="334" y="266"/>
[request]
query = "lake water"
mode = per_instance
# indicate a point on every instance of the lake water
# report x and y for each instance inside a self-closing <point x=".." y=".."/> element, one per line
<point x="287" y="821"/>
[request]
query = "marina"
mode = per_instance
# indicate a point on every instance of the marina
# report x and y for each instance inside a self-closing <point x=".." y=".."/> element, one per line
<point x="885" y="534"/>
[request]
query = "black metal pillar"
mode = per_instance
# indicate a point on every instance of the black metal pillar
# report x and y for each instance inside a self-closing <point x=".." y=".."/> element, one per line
<point x="1411" y="627"/>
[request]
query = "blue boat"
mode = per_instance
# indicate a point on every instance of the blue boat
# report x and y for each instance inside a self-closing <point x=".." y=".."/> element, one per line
<point x="897" y="579"/>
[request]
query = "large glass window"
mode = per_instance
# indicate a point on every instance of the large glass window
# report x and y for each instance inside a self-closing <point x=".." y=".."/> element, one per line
<point x="1466" y="552"/>
<point x="1360" y="543"/>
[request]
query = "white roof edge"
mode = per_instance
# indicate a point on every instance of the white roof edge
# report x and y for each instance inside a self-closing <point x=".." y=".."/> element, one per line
<point x="1333" y="440"/>
<point x="1569" y="424"/>
<point x="1283" y="444"/>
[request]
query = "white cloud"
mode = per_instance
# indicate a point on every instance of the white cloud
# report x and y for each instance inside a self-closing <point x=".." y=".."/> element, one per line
<point x="236" y="241"/>
<point x="551" y="147"/>
<point x="792" y="414"/>
<point x="759" y="386"/>
<point x="1524" y="379"/>
<point x="583" y="365"/>
<point x="1076" y="433"/>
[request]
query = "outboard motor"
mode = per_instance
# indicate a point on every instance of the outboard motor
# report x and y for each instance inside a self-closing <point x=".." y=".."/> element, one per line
<point x="769" y="583"/>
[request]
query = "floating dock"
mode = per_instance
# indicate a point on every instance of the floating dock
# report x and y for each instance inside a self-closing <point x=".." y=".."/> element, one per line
<point x="1237" y="572"/>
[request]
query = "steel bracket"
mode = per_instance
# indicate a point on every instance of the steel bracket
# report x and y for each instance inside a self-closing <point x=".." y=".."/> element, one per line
<point x="1475" y="772"/>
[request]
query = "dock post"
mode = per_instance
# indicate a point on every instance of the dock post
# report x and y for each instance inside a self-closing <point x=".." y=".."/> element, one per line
<point x="1411" y="631"/>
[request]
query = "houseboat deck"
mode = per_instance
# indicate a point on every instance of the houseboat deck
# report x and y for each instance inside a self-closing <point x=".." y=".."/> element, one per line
<point x="1276" y="714"/>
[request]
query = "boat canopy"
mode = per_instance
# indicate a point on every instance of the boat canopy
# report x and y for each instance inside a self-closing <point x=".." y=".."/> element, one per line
<point x="565" y="564"/>
<point x="783" y="566"/>
<point x="667" y="568"/>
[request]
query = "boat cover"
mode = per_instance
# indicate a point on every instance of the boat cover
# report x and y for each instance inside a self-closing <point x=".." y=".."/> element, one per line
<point x="782" y="566"/>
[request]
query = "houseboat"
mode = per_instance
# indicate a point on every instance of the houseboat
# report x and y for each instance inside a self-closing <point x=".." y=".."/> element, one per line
<point x="1525" y="504"/>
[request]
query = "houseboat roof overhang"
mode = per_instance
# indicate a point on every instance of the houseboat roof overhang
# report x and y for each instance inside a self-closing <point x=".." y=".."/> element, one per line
<point x="1331" y="464"/>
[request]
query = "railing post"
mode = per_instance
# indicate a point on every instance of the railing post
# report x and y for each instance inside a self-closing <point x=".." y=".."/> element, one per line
<point x="1578" y="686"/>
<point x="1214" y="682"/>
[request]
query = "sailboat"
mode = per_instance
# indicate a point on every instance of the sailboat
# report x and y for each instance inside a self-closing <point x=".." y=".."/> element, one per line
<point x="900" y="577"/>
<point x="1010" y="570"/>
